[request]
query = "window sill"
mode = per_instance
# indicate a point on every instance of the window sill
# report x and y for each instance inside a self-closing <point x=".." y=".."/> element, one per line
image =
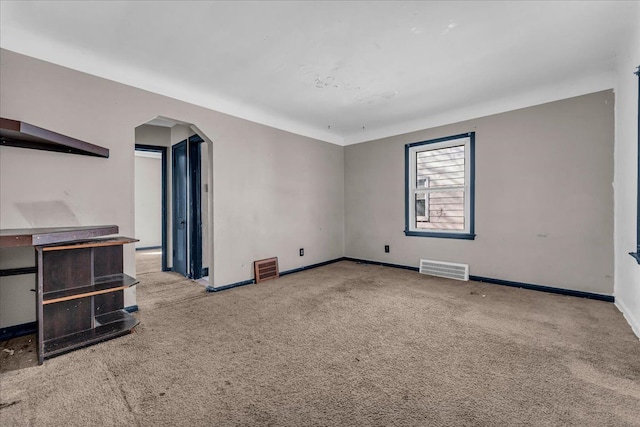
<point x="462" y="236"/>
<point x="636" y="256"/>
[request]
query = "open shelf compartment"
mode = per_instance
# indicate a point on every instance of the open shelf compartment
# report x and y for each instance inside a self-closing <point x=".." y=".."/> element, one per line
<point x="101" y="285"/>
<point x="108" y="326"/>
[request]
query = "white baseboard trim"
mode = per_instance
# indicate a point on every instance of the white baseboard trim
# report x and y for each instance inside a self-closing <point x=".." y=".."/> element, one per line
<point x="628" y="315"/>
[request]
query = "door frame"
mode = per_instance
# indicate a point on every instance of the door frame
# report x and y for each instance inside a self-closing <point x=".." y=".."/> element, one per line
<point x="194" y="206"/>
<point x="164" y="160"/>
<point x="194" y="214"/>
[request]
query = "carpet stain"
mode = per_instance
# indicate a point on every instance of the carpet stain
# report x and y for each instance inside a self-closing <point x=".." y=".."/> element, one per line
<point x="587" y="372"/>
<point x="6" y="405"/>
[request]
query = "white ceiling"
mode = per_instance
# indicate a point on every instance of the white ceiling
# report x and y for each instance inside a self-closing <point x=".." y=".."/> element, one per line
<point x="343" y="72"/>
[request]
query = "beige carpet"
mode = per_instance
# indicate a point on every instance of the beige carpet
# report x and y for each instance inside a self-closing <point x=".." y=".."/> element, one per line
<point x="149" y="261"/>
<point x="344" y="344"/>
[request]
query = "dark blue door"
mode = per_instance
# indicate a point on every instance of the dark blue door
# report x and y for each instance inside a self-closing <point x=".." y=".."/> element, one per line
<point x="179" y="191"/>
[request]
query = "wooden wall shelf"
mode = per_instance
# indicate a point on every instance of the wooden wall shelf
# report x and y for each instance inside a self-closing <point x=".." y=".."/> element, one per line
<point x="14" y="133"/>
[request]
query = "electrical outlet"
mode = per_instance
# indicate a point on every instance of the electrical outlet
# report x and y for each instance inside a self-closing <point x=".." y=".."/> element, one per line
<point x="386" y="248"/>
<point x="301" y="251"/>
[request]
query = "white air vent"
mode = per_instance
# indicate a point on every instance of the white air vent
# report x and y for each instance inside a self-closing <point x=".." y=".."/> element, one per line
<point x="444" y="269"/>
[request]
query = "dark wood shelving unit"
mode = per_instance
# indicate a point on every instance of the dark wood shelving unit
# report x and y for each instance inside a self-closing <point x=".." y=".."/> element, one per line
<point x="80" y="285"/>
<point x="14" y="133"/>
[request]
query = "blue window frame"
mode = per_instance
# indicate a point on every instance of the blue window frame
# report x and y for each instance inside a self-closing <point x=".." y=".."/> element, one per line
<point x="439" y="187"/>
<point x="636" y="254"/>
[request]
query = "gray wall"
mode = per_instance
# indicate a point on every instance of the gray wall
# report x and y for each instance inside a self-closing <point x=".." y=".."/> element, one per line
<point x="627" y="275"/>
<point x="148" y="201"/>
<point x="153" y="135"/>
<point x="273" y="191"/>
<point x="544" y="197"/>
<point x="544" y="210"/>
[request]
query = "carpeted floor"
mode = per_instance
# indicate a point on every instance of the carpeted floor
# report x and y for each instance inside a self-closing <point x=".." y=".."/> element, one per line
<point x="21" y="352"/>
<point x="344" y="344"/>
<point x="148" y="261"/>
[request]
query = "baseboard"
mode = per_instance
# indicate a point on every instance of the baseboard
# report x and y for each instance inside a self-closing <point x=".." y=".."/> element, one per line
<point x="18" y="271"/>
<point x="18" y="331"/>
<point x="131" y="309"/>
<point x="146" y="248"/>
<point x="384" y="264"/>
<point x="309" y="267"/>
<point x="633" y="321"/>
<point x="282" y="273"/>
<point x="231" y="286"/>
<point x="530" y="286"/>
<point x="541" y="288"/>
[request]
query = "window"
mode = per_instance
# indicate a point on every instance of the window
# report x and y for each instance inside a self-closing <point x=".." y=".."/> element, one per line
<point x="439" y="187"/>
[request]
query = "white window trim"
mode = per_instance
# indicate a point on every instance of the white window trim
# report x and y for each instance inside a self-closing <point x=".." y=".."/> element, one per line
<point x="413" y="190"/>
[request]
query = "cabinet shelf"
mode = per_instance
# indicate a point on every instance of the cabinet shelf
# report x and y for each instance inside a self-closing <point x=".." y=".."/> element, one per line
<point x="102" y="285"/>
<point x="90" y="243"/>
<point x="19" y="237"/>
<point x="80" y="285"/>
<point x="109" y="325"/>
